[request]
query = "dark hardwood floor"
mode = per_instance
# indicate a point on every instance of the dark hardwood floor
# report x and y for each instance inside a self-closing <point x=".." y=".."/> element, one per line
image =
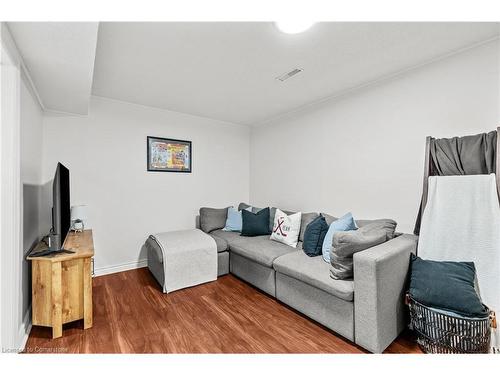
<point x="132" y="315"/>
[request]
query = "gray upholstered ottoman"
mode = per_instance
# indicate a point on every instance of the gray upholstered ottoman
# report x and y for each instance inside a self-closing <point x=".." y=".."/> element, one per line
<point x="181" y="259"/>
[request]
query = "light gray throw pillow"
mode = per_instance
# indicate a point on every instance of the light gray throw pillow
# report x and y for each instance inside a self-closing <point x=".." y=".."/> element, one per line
<point x="212" y="218"/>
<point x="388" y="225"/>
<point x="346" y="244"/>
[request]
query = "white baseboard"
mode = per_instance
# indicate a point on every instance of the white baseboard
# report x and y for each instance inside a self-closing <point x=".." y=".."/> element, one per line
<point x="100" y="271"/>
<point x="24" y="331"/>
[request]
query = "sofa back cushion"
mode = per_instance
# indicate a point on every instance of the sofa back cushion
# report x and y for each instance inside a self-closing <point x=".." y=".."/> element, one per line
<point x="314" y="235"/>
<point x="346" y="244"/>
<point x="243" y="206"/>
<point x="212" y="218"/>
<point x="307" y="218"/>
<point x="255" y="224"/>
<point x="329" y="218"/>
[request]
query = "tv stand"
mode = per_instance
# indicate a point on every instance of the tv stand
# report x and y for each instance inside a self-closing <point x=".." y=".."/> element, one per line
<point x="62" y="283"/>
<point x="49" y="252"/>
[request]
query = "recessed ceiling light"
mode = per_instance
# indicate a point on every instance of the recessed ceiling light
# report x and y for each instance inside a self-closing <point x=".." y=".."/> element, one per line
<point x="293" y="27"/>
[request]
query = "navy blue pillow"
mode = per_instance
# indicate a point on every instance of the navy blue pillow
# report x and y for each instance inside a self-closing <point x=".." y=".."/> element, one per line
<point x="447" y="286"/>
<point x="314" y="236"/>
<point x="255" y="224"/>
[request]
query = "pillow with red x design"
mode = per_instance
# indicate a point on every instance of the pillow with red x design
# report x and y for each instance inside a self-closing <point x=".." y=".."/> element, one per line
<point x="286" y="228"/>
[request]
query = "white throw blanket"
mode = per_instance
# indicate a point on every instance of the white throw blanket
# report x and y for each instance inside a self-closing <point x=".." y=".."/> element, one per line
<point x="189" y="258"/>
<point x="461" y="222"/>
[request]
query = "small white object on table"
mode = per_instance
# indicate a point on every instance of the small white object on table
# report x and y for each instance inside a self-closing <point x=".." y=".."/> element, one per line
<point x="78" y="217"/>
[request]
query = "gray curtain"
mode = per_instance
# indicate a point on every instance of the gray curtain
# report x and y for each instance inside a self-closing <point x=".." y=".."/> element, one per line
<point x="472" y="154"/>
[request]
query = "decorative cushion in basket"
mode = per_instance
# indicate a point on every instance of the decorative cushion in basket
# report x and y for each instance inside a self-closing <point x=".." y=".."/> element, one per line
<point x="445" y="309"/>
<point x="446" y="285"/>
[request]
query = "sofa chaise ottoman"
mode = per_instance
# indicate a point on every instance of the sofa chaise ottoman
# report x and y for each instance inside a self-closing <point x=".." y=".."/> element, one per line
<point x="180" y="259"/>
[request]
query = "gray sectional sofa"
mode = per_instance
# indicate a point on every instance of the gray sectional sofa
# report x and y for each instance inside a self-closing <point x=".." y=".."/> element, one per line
<point x="367" y="309"/>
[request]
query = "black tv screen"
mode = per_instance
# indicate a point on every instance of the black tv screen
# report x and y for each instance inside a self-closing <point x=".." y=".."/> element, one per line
<point x="61" y="209"/>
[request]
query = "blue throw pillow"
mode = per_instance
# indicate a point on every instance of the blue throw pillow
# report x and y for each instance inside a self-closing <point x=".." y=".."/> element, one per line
<point x="234" y="222"/>
<point x="314" y="236"/>
<point x="343" y="224"/>
<point x="255" y="224"/>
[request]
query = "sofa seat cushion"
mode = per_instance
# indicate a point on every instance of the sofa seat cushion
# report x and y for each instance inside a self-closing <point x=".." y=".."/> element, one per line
<point x="260" y="249"/>
<point x="315" y="272"/>
<point x="227" y="236"/>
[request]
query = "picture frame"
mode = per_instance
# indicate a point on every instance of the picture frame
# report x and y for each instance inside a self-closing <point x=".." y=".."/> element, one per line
<point x="169" y="155"/>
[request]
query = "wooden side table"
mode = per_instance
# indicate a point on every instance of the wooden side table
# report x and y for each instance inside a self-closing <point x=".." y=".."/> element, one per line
<point x="62" y="284"/>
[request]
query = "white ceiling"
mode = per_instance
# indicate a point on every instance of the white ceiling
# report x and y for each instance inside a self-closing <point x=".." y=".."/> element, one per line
<point x="60" y="59"/>
<point x="227" y="71"/>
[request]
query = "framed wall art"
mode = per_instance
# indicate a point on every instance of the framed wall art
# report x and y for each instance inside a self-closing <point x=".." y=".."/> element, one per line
<point x="169" y="155"/>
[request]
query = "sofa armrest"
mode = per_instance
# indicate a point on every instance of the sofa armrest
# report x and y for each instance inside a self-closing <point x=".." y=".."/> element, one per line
<point x="379" y="285"/>
<point x="197" y="223"/>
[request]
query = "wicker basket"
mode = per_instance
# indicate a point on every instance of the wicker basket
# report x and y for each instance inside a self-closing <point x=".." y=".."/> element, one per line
<point x="441" y="333"/>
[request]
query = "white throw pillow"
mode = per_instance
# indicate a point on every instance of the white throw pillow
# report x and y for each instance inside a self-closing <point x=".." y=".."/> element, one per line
<point x="286" y="228"/>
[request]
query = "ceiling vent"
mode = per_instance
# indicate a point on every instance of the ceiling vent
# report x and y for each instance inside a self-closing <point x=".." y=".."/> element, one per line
<point x="290" y="74"/>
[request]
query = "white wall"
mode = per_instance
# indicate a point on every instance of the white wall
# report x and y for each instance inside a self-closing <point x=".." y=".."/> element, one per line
<point x="21" y="176"/>
<point x="106" y="155"/>
<point x="10" y="201"/>
<point x="31" y="137"/>
<point x="31" y="178"/>
<point x="364" y="152"/>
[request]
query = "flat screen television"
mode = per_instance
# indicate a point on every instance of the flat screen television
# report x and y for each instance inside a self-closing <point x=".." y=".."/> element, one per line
<point x="61" y="209"/>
